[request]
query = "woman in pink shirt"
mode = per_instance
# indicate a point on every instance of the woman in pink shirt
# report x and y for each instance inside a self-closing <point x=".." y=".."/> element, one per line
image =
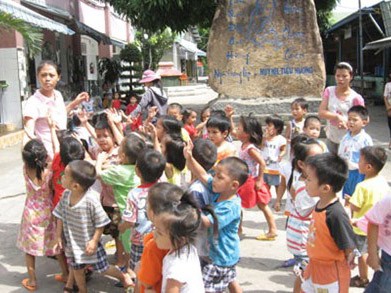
<point x="337" y="100"/>
<point x="47" y="101"/>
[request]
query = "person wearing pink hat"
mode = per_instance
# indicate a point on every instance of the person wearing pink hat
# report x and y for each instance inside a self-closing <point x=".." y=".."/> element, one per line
<point x="154" y="95"/>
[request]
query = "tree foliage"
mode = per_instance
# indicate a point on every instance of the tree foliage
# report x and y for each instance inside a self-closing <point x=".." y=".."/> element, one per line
<point x="130" y="67"/>
<point x="156" y="15"/>
<point x="153" y="46"/>
<point x="31" y="35"/>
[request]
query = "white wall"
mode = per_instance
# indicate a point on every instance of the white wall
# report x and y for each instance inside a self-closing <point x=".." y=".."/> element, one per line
<point x="10" y="98"/>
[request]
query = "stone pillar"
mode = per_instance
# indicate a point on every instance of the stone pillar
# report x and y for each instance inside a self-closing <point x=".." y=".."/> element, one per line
<point x="261" y="49"/>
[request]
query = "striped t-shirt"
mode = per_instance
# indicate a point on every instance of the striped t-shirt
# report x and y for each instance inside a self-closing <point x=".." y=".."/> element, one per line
<point x="80" y="223"/>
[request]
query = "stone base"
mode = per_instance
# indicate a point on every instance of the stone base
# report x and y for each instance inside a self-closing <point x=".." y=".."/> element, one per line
<point x="263" y="107"/>
<point x="7" y="127"/>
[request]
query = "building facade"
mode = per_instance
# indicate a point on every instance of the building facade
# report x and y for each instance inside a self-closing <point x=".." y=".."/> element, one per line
<point x="75" y="35"/>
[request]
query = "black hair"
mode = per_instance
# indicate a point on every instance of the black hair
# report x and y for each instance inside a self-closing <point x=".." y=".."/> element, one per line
<point x="300" y="146"/>
<point x="344" y="65"/>
<point x="277" y="122"/>
<point x="183" y="218"/>
<point x="205" y="153"/>
<point x="253" y="127"/>
<point x="83" y="173"/>
<point x="132" y="145"/>
<point x="75" y="120"/>
<point x="375" y="156"/>
<point x="48" y="62"/>
<point x="162" y="194"/>
<point x="151" y="165"/>
<point x="172" y="126"/>
<point x="35" y="156"/>
<point x="217" y="113"/>
<point x="175" y="106"/>
<point x="360" y="111"/>
<point x="186" y="114"/>
<point x="309" y="119"/>
<point x="236" y="168"/>
<point x="330" y="169"/>
<point x="301" y="102"/>
<point x="102" y="123"/>
<point x="174" y="151"/>
<point x="219" y="122"/>
<point x="71" y="149"/>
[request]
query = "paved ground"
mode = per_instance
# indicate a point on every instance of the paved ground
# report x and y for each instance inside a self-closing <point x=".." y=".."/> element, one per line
<point x="258" y="271"/>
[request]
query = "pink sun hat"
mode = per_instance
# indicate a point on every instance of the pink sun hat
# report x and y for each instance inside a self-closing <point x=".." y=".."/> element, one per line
<point x="149" y="76"/>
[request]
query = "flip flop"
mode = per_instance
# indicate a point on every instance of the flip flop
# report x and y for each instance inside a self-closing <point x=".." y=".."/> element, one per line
<point x="27" y="286"/>
<point x="67" y="289"/>
<point x="288" y="263"/>
<point x="266" y="237"/>
<point x="60" y="278"/>
<point x="358" y="282"/>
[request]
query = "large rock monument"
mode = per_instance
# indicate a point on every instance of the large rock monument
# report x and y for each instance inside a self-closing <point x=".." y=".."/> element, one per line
<point x="263" y="49"/>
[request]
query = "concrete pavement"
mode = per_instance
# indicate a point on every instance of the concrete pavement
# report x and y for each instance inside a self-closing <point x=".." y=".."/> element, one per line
<point x="258" y="271"/>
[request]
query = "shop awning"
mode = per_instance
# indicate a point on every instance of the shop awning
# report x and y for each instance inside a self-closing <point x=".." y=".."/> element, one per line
<point x="41" y="5"/>
<point x="33" y="18"/>
<point x="118" y="43"/>
<point x="379" y="44"/>
<point x="191" y="47"/>
<point x="93" y="33"/>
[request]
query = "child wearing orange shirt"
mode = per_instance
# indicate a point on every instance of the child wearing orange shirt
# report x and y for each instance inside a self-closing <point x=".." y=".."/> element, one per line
<point x="331" y="239"/>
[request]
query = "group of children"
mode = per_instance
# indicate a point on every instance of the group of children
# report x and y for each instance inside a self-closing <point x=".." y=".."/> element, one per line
<point x="171" y="195"/>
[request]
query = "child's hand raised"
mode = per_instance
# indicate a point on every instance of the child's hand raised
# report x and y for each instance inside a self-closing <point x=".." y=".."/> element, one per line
<point x="188" y="150"/>
<point x="229" y="111"/>
<point x="83" y="116"/>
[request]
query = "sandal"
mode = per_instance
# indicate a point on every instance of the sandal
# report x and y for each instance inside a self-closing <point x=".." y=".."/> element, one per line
<point x="60" y="278"/>
<point x="67" y="289"/>
<point x="358" y="282"/>
<point x="27" y="286"/>
<point x="288" y="263"/>
<point x="266" y="237"/>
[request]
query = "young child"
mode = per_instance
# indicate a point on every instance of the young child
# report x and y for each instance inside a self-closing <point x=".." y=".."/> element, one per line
<point x="302" y="204"/>
<point x="70" y="149"/>
<point x="379" y="236"/>
<point x="312" y="128"/>
<point x="116" y="103"/>
<point x="168" y="140"/>
<point x="81" y="218"/>
<point x="254" y="191"/>
<point x="367" y="194"/>
<point x="189" y="117"/>
<point x="273" y="150"/>
<point x="218" y="130"/>
<point x="37" y="232"/>
<point x="149" y="274"/>
<point x="133" y="102"/>
<point x="205" y="114"/>
<point x="106" y="143"/>
<point x="149" y="167"/>
<point x="175" y="230"/>
<point x="122" y="177"/>
<point x="299" y="108"/>
<point x="331" y="238"/>
<point x="175" y="110"/>
<point x="231" y="173"/>
<point x="350" y="146"/>
<point x="205" y="153"/>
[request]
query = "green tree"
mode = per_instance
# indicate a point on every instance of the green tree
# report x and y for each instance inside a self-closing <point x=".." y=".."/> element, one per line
<point x="31" y="35"/>
<point x="153" y="46"/>
<point x="131" y="66"/>
<point x="156" y="15"/>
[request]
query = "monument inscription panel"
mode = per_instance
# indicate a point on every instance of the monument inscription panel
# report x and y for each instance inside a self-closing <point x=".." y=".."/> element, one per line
<point x="266" y="48"/>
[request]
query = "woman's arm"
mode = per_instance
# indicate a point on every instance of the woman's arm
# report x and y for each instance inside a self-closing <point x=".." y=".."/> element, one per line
<point x="83" y="96"/>
<point x="29" y="129"/>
